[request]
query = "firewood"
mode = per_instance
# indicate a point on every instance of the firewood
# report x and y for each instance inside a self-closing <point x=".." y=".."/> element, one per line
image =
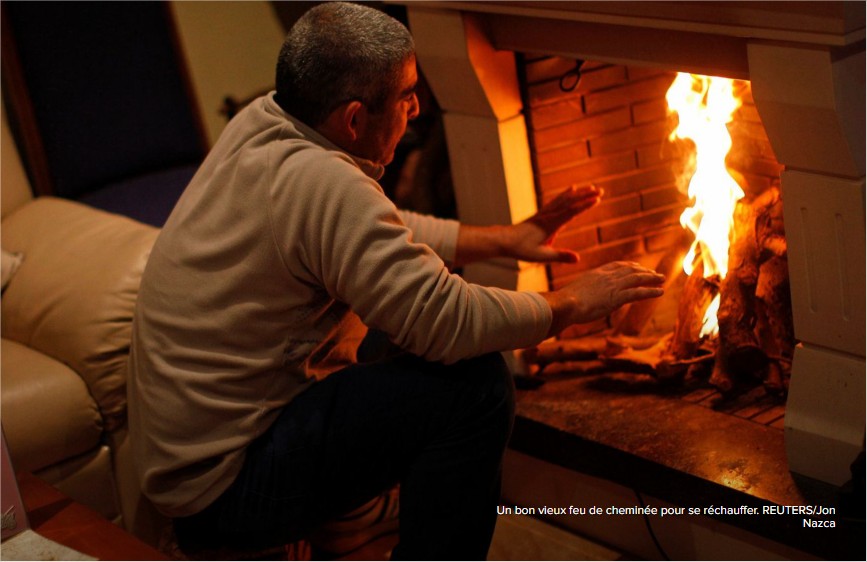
<point x="587" y="349"/>
<point x="671" y="370"/>
<point x="770" y="237"/>
<point x="737" y="366"/>
<point x="738" y="347"/>
<point x="775" y="327"/>
<point x="645" y="358"/>
<point x="697" y="294"/>
<point x="774" y="245"/>
<point x="721" y="377"/>
<point x="617" y="343"/>
<point x="774" y="293"/>
<point x="774" y="380"/>
<point x="739" y="351"/>
<point x="700" y="370"/>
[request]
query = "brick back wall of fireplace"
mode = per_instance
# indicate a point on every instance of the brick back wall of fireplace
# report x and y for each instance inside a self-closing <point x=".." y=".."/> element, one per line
<point x="612" y="130"/>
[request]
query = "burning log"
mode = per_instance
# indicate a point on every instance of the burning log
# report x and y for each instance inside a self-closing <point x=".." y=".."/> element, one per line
<point x="755" y="318"/>
<point x="773" y="291"/>
<point x="561" y="351"/>
<point x="739" y="350"/>
<point x="647" y="356"/>
<point x="770" y="233"/>
<point x="697" y="295"/>
<point x="686" y="340"/>
<point x="777" y="332"/>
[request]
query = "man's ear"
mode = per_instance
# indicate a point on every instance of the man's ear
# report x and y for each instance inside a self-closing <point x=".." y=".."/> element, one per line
<point x="344" y="124"/>
<point x="348" y="118"/>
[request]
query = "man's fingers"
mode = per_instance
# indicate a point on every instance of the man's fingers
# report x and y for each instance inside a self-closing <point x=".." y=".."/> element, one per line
<point x="639" y="293"/>
<point x="633" y="268"/>
<point x="582" y="205"/>
<point x="566" y="256"/>
<point x="639" y="283"/>
<point x="581" y="200"/>
<point x="563" y="208"/>
<point x="586" y="191"/>
<point x="574" y="199"/>
<point x="646" y="278"/>
<point x="547" y="254"/>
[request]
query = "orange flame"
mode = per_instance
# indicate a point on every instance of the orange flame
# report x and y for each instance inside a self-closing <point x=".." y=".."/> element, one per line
<point x="704" y="106"/>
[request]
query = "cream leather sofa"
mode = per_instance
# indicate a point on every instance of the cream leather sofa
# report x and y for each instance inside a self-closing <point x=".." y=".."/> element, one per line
<point x="66" y="325"/>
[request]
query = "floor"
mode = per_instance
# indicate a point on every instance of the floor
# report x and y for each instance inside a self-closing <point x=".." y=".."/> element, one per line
<point x="516" y="537"/>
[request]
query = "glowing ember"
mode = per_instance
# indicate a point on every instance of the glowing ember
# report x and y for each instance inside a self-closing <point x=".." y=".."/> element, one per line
<point x="704" y="106"/>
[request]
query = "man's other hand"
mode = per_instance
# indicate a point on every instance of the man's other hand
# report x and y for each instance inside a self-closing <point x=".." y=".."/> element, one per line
<point x="531" y="240"/>
<point x="599" y="292"/>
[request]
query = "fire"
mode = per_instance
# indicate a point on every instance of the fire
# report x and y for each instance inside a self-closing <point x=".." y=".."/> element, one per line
<point x="705" y="106"/>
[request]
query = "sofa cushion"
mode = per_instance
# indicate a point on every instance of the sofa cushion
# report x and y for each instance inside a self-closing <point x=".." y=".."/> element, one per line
<point x="48" y="413"/>
<point x="74" y="294"/>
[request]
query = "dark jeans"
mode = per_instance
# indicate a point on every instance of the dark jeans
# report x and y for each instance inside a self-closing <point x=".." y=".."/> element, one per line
<point x="440" y="431"/>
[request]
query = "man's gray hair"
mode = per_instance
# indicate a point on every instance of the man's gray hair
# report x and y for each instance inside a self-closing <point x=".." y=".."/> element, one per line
<point x="337" y="52"/>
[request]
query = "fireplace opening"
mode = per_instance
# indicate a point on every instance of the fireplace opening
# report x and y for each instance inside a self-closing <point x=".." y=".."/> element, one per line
<point x="614" y="126"/>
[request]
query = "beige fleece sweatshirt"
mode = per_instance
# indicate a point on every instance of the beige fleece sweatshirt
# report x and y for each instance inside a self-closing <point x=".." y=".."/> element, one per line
<point x="279" y="241"/>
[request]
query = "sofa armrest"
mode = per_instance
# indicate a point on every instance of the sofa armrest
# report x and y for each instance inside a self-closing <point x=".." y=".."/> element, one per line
<point x="48" y="413"/>
<point x="73" y="296"/>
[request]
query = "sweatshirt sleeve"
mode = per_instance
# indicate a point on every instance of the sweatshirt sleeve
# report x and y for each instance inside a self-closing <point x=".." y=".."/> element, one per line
<point x="357" y="246"/>
<point x="440" y="234"/>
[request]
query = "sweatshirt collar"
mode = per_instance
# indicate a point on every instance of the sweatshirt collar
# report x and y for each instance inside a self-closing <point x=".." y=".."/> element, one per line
<point x="369" y="167"/>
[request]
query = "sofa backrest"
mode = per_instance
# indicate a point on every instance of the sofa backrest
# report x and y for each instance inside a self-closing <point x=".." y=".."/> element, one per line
<point x="73" y="295"/>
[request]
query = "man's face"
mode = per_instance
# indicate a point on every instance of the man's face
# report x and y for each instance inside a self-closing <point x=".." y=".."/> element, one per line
<point x="379" y="140"/>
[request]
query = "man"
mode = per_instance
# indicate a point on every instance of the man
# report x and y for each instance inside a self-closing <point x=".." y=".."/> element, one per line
<point x="247" y="427"/>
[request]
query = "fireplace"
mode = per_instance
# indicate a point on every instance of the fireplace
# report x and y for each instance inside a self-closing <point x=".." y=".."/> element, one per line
<point x="611" y="125"/>
<point x="498" y="69"/>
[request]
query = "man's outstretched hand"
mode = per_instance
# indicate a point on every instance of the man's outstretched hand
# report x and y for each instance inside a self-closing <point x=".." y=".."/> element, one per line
<point x="599" y="292"/>
<point x="531" y="240"/>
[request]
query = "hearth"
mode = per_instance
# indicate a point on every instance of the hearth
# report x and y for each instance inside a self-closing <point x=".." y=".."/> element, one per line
<point x="540" y="95"/>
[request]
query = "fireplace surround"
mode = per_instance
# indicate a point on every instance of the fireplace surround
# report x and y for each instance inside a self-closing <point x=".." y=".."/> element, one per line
<point x="805" y="62"/>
